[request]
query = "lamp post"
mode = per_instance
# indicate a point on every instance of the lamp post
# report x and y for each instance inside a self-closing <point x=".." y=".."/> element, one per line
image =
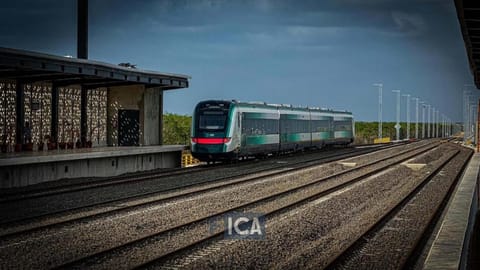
<point x="433" y="121"/>
<point x="449" y="127"/>
<point x="472" y="106"/>
<point x="408" y="115"/>
<point x="397" y="126"/>
<point x="380" y="90"/>
<point x="428" y="120"/>
<point x="444" y="126"/>
<point x="416" y="117"/>
<point x="423" y="119"/>
<point x="437" y="124"/>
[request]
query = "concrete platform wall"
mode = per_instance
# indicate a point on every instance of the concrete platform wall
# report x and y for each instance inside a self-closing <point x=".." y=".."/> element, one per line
<point x="152" y="111"/>
<point x="23" y="175"/>
<point x="450" y="247"/>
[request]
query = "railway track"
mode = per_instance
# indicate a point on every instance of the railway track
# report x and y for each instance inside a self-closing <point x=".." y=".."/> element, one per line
<point x="186" y="244"/>
<point x="86" y="184"/>
<point x="75" y="185"/>
<point x="96" y="210"/>
<point x="272" y="200"/>
<point x="199" y="254"/>
<point x="188" y="254"/>
<point x="395" y="242"/>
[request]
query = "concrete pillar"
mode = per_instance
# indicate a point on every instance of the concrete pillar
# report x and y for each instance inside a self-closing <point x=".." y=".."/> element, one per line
<point x="160" y="119"/>
<point x="152" y="116"/>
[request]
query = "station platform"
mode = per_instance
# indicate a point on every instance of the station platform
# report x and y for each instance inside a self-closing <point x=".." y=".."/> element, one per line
<point x="28" y="168"/>
<point x="455" y="246"/>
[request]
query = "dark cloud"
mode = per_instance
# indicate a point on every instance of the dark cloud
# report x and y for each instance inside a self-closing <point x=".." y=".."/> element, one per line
<point x="329" y="40"/>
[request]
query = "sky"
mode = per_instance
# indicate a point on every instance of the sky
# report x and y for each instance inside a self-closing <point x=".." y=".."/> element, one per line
<point x="325" y="53"/>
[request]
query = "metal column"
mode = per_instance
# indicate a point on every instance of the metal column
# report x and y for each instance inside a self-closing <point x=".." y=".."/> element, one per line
<point x="428" y="121"/>
<point x="416" y="118"/>
<point x="423" y="121"/>
<point x="397" y="125"/>
<point x="82" y="29"/>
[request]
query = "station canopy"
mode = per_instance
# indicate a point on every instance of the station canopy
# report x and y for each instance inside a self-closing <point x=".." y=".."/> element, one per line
<point x="29" y="67"/>
<point x="468" y="12"/>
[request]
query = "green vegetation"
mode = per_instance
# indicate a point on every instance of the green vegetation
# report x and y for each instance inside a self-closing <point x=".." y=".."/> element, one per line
<point x="366" y="132"/>
<point x="176" y="129"/>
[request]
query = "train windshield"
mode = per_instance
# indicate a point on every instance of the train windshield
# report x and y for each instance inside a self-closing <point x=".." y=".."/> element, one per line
<point x="212" y="120"/>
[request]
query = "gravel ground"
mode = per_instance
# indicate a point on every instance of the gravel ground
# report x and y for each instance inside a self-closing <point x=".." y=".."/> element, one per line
<point x="314" y="234"/>
<point x="390" y="246"/>
<point x="135" y="224"/>
<point x="43" y="206"/>
<point x="153" y="247"/>
<point x="16" y="210"/>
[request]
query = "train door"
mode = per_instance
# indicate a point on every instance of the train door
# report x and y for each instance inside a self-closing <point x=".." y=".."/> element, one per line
<point x="243" y="131"/>
<point x="237" y="130"/>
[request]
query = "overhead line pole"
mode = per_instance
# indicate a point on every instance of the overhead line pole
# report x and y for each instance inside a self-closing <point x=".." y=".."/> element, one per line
<point x="423" y="119"/>
<point x="408" y="115"/>
<point x="416" y="118"/>
<point x="397" y="126"/>
<point x="428" y="121"/>
<point x="437" y="125"/>
<point x="380" y="90"/>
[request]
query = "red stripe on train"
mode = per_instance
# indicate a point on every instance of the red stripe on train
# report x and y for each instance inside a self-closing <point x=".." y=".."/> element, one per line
<point x="210" y="140"/>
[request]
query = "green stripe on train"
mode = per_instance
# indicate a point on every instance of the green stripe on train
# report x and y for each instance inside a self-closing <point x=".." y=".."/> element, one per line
<point x="322" y="135"/>
<point x="294" y="116"/>
<point x="258" y="115"/>
<point x="261" y="139"/>
<point x="295" y="137"/>
<point x="343" y="134"/>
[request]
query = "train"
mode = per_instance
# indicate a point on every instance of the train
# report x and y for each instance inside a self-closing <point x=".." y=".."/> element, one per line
<point x="230" y="130"/>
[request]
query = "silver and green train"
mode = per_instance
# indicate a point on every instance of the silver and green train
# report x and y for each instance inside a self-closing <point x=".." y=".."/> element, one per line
<point x="226" y="130"/>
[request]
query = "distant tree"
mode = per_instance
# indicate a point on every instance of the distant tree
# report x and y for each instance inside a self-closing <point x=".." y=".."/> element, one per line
<point x="176" y="129"/>
<point x="366" y="132"/>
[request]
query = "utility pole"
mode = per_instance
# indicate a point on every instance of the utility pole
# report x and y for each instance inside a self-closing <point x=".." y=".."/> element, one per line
<point x="397" y="126"/>
<point x="416" y="118"/>
<point x="428" y="121"/>
<point x="423" y="119"/>
<point x="380" y="90"/>
<point x="437" y="124"/>
<point x="433" y="121"/>
<point x="445" y="125"/>
<point x="472" y="120"/>
<point x="408" y="115"/>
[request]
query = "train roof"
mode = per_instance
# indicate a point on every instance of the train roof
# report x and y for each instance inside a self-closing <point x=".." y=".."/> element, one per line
<point x="261" y="104"/>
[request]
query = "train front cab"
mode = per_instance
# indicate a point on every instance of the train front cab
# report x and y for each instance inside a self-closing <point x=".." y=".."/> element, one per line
<point x="210" y="128"/>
